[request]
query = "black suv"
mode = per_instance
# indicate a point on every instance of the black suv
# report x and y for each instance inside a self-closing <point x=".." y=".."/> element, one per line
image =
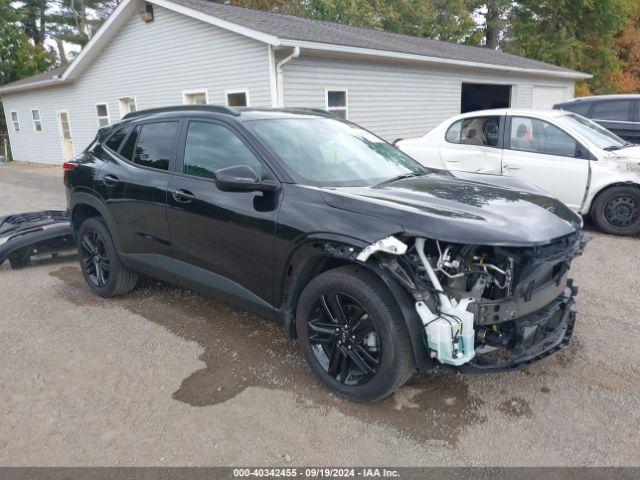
<point x="617" y="113"/>
<point x="377" y="265"/>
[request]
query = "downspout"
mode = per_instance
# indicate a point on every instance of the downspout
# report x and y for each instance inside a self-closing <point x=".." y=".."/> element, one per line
<point x="280" y="77"/>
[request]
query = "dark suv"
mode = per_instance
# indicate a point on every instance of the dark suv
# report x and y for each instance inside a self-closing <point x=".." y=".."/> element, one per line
<point x="377" y="265"/>
<point x="617" y="113"/>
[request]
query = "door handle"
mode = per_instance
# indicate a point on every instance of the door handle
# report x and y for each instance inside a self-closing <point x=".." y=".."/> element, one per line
<point x="110" y="180"/>
<point x="510" y="167"/>
<point x="183" y="196"/>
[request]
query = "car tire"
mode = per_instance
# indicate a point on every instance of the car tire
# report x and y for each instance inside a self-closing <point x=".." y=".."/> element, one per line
<point x="20" y="259"/>
<point x="617" y="211"/>
<point x="101" y="267"/>
<point x="377" y="332"/>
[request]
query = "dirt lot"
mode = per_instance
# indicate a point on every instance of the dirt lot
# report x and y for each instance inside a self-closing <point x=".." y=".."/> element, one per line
<point x="164" y="376"/>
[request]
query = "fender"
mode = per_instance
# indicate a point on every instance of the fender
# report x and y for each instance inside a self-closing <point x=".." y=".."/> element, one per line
<point x="320" y="254"/>
<point x="90" y="199"/>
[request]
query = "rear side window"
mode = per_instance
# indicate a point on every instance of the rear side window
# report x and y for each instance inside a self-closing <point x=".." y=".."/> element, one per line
<point x="116" y="139"/>
<point x="130" y="144"/>
<point x="211" y="147"/>
<point x="481" y="131"/>
<point x="581" y="108"/>
<point x="152" y="145"/>
<point x="611" y="110"/>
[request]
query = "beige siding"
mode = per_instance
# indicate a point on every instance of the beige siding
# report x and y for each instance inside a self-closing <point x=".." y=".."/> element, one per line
<point x="393" y="100"/>
<point x="153" y="62"/>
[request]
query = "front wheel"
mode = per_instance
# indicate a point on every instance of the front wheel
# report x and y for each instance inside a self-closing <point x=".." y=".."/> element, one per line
<point x="617" y="211"/>
<point x="352" y="334"/>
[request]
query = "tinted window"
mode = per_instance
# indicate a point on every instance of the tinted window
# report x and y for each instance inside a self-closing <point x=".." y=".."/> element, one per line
<point x="538" y="136"/>
<point x="210" y="147"/>
<point x="581" y="108"/>
<point x="482" y="131"/>
<point x="611" y="110"/>
<point x="156" y="145"/>
<point x="116" y="139"/>
<point x="127" y="149"/>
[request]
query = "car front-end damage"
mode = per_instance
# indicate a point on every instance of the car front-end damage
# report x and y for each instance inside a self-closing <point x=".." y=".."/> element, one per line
<point x="485" y="307"/>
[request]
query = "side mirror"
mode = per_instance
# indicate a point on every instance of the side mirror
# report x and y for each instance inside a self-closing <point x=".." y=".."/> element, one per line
<point x="242" y="178"/>
<point x="581" y="152"/>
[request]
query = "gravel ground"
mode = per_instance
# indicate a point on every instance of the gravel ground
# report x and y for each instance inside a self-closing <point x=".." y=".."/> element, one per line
<point x="164" y="376"/>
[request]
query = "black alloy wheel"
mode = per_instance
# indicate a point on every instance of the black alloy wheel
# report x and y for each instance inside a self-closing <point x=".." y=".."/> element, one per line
<point x="95" y="259"/>
<point x="353" y="334"/>
<point x="344" y="339"/>
<point x="101" y="266"/>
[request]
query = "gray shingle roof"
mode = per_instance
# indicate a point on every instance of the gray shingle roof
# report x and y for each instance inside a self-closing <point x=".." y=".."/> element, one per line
<point x="48" y="75"/>
<point x="303" y="29"/>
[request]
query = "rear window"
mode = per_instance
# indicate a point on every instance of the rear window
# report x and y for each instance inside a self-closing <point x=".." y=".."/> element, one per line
<point x="581" y="108"/>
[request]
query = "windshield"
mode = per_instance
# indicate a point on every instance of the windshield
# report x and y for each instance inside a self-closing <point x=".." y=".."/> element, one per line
<point x="598" y="135"/>
<point x="329" y="152"/>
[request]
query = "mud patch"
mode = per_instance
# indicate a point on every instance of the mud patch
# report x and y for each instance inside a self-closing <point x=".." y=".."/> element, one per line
<point x="243" y="350"/>
<point x="516" y="407"/>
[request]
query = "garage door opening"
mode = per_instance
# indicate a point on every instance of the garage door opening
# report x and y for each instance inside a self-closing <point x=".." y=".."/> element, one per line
<point x="481" y="96"/>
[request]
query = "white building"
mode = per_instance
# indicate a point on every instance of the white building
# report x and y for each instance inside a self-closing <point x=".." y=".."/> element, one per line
<point x="167" y="52"/>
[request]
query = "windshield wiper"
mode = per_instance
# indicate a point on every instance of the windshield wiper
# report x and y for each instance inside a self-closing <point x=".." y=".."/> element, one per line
<point x="400" y="177"/>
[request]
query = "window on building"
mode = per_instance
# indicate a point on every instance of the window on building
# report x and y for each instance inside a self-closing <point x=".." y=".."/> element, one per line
<point x="195" y="97"/>
<point x="337" y="103"/>
<point x="238" y="98"/>
<point x="481" y="131"/>
<point x="537" y="136"/>
<point x="15" y="121"/>
<point x="102" y="112"/>
<point x="210" y="147"/>
<point x="156" y="145"/>
<point x="37" y="122"/>
<point x="127" y="105"/>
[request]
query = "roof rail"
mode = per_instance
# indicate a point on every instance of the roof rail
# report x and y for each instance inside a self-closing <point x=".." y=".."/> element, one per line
<point x="318" y="111"/>
<point x="184" y="108"/>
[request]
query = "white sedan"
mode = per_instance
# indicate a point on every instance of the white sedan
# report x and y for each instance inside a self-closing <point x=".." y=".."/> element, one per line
<point x="570" y="157"/>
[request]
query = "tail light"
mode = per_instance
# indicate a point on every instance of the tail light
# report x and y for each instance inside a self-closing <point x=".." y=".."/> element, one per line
<point x="66" y="168"/>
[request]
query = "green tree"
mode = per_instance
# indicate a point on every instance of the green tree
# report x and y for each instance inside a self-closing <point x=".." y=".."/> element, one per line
<point x="579" y="34"/>
<point x="442" y="19"/>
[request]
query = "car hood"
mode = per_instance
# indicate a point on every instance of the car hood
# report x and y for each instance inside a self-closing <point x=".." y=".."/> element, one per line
<point x="470" y="211"/>
<point x="630" y="152"/>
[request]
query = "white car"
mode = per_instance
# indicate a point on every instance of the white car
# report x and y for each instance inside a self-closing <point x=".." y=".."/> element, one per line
<point x="570" y="157"/>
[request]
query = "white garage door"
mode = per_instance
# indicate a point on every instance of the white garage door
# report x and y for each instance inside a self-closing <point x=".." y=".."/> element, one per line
<point x="545" y="96"/>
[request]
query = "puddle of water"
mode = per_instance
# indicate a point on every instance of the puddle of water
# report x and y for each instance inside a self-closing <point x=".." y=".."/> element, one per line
<point x="245" y="350"/>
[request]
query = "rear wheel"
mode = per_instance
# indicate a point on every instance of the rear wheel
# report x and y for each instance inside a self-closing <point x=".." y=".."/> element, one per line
<point x="352" y="334"/>
<point x="102" y="269"/>
<point x="617" y="211"/>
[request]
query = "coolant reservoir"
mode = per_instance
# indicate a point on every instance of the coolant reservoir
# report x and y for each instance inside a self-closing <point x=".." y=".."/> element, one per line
<point x="442" y="330"/>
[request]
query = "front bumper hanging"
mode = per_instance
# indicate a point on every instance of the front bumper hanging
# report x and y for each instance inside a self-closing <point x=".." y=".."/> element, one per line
<point x="27" y="234"/>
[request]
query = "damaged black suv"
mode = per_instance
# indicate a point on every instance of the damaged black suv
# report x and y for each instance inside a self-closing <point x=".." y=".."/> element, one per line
<point x="377" y="265"/>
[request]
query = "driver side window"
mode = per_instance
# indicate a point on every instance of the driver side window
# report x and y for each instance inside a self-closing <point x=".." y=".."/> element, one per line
<point x="537" y="136"/>
<point x="481" y="131"/>
<point x="210" y="147"/>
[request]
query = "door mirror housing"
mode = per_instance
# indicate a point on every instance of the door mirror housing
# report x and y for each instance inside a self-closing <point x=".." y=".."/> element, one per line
<point x="242" y="178"/>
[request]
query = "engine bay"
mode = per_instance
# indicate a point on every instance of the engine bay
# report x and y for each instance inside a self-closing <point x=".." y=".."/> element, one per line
<point x="489" y="307"/>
